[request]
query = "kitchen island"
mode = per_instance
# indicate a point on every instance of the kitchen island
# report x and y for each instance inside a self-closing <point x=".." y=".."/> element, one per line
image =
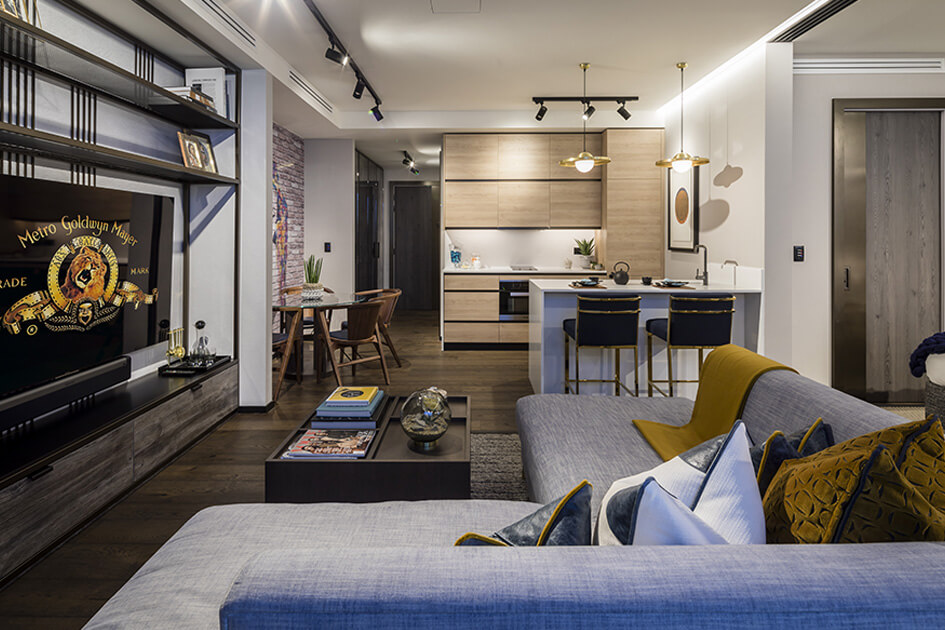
<point x="553" y="301"/>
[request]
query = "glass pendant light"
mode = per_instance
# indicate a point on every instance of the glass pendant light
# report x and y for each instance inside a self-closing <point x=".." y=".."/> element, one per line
<point x="682" y="162"/>
<point x="585" y="161"/>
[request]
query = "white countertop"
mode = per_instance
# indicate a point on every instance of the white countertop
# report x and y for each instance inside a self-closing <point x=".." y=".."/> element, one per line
<point x="526" y="272"/>
<point x="635" y="286"/>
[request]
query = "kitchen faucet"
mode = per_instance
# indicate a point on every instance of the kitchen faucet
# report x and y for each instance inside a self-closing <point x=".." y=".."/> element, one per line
<point x="705" y="265"/>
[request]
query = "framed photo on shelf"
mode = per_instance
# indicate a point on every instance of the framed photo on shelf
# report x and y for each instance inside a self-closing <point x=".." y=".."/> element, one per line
<point x="196" y="151"/>
<point x="683" y="210"/>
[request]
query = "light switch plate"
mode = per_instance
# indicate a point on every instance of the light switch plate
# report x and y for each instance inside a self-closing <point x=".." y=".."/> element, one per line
<point x="327" y="247"/>
<point x="798" y="253"/>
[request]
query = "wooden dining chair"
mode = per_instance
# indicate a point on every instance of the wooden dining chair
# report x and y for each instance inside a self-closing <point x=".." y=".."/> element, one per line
<point x="389" y="299"/>
<point x="362" y="329"/>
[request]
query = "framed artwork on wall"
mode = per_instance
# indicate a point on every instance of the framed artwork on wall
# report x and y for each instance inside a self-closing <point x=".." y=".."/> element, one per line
<point x="196" y="151"/>
<point x="683" y="210"/>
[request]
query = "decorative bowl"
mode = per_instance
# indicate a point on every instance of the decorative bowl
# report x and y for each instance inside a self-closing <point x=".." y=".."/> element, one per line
<point x="425" y="417"/>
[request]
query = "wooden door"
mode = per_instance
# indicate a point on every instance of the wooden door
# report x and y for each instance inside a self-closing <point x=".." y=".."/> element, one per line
<point x="903" y="247"/>
<point x="414" y="246"/>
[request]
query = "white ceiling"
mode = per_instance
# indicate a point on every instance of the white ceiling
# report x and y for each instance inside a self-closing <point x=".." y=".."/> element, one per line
<point x="488" y="65"/>
<point x="879" y="27"/>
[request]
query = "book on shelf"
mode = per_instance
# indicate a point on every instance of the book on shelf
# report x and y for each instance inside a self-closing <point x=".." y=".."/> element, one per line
<point x="352" y="396"/>
<point x="210" y="81"/>
<point x="353" y="411"/>
<point x="193" y="95"/>
<point x="331" y="444"/>
<point x="347" y="421"/>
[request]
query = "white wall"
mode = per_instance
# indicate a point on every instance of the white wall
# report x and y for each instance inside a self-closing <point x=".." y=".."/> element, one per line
<point x="255" y="268"/>
<point x="812" y="198"/>
<point x="329" y="209"/>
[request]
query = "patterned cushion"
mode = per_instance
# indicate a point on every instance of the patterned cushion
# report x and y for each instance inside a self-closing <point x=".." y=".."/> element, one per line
<point x="707" y="495"/>
<point x="881" y="487"/>
<point x="778" y="448"/>
<point x="566" y="521"/>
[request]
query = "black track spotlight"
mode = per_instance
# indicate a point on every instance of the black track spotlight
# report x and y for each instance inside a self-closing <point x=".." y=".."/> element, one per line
<point x="376" y="112"/>
<point x="622" y="110"/>
<point x="414" y="170"/>
<point x="589" y="112"/>
<point x="408" y="160"/>
<point x="358" y="88"/>
<point x="337" y="56"/>
<point x="542" y="110"/>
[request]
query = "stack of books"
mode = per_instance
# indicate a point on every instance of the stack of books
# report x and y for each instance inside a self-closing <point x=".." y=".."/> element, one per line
<point x="330" y="444"/>
<point x="193" y="94"/>
<point x="349" y="408"/>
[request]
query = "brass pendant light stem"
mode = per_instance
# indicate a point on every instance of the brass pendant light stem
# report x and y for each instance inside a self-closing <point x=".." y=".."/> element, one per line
<point x="584" y="67"/>
<point x="682" y="96"/>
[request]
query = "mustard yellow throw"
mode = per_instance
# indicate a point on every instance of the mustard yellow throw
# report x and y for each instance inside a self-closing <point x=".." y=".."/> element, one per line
<point x="727" y="377"/>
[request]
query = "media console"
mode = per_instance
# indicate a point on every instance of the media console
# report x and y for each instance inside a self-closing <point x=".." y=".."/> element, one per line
<point x="58" y="473"/>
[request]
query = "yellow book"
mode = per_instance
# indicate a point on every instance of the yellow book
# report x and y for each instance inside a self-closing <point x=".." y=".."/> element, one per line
<point x="352" y="396"/>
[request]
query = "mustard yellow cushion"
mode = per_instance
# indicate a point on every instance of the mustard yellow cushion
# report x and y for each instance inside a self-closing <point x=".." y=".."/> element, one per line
<point x="880" y="487"/>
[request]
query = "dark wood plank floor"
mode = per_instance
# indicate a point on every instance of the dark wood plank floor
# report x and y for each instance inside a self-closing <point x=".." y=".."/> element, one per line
<point x="70" y="584"/>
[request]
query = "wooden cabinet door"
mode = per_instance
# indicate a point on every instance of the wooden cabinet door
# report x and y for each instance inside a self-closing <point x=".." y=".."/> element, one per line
<point x="576" y="204"/>
<point x="471" y="307"/>
<point x="485" y="332"/>
<point x="565" y="145"/>
<point x="524" y="204"/>
<point x="523" y="156"/>
<point x="469" y="281"/>
<point x="634" y="153"/>
<point x="470" y="156"/>
<point x="470" y="204"/>
<point x="634" y="225"/>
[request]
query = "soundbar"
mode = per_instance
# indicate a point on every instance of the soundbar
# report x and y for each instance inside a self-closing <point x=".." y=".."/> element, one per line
<point x="39" y="401"/>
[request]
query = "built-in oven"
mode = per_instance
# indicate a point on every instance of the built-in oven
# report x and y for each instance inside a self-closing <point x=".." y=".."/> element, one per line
<point x="513" y="300"/>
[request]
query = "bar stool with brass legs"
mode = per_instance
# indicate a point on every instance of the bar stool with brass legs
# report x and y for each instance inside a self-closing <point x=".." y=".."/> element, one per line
<point x="603" y="323"/>
<point x="698" y="323"/>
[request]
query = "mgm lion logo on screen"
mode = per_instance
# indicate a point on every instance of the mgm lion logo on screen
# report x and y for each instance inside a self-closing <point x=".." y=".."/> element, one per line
<point x="82" y="291"/>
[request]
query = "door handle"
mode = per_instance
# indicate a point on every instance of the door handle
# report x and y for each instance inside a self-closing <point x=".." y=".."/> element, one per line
<point x="846" y="278"/>
<point x="377" y="249"/>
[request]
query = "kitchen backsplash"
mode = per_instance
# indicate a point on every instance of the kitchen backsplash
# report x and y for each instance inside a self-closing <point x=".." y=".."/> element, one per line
<point x="499" y="248"/>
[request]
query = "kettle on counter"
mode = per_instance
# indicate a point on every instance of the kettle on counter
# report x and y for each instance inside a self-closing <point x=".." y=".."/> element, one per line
<point x="621" y="276"/>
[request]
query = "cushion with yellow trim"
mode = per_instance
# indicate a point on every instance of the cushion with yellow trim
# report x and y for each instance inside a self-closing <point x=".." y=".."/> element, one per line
<point x="707" y="495"/>
<point x="566" y="521"/>
<point x="881" y="487"/>
<point x="778" y="448"/>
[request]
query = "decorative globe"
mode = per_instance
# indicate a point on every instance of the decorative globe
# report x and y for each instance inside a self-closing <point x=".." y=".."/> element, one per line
<point x="425" y="417"/>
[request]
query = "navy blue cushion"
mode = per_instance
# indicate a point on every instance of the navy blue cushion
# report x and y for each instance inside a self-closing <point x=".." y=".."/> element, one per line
<point x="569" y="327"/>
<point x="279" y="337"/>
<point x="608" y="321"/>
<point x="701" y="323"/>
<point x="657" y="327"/>
<point x="339" y="334"/>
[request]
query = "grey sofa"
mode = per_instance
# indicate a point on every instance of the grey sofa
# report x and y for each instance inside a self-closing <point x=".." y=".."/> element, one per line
<point x="392" y="565"/>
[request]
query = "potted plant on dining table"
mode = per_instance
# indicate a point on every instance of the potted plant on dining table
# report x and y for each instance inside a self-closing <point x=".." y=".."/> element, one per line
<point x="312" y="288"/>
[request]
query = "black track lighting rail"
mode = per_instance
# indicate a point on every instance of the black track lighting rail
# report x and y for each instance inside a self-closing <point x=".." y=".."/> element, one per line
<point x="336" y="43"/>
<point x="538" y="100"/>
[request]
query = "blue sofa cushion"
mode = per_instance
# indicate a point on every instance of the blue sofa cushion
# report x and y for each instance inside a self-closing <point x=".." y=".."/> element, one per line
<point x="566" y="521"/>
<point x="779" y="448"/>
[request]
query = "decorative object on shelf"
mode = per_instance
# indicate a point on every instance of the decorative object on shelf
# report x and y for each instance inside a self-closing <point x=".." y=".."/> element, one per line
<point x="203" y="354"/>
<point x="584" y="252"/>
<point x="197" y="152"/>
<point x="175" y="346"/>
<point x="567" y="263"/>
<point x="476" y="261"/>
<point x="683" y="210"/>
<point x="682" y="162"/>
<point x="425" y="417"/>
<point x="211" y="83"/>
<point x="312" y="288"/>
<point x="585" y="161"/>
<point x="621" y="276"/>
<point x="456" y="257"/>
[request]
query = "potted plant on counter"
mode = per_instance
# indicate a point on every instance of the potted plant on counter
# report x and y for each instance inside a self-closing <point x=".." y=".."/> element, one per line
<point x="312" y="288"/>
<point x="585" y="252"/>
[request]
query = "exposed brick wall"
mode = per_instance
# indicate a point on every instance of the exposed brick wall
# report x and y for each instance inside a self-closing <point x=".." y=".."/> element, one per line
<point x="288" y="157"/>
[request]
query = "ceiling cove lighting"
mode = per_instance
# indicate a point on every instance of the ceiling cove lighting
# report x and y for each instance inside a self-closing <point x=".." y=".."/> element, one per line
<point x="339" y="54"/>
<point x="542" y="110"/>
<point x="682" y="162"/>
<point x="585" y="161"/>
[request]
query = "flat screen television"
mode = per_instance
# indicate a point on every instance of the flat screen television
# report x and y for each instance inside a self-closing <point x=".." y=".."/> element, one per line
<point x="85" y="277"/>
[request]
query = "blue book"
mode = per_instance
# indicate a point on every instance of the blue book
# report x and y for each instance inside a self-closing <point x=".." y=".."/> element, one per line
<point x="328" y="411"/>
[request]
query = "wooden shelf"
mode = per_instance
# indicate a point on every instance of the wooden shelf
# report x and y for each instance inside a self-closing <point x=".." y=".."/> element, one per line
<point x="21" y="139"/>
<point x="48" y="54"/>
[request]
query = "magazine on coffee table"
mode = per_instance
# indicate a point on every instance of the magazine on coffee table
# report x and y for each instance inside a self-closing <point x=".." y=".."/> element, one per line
<point x="331" y="444"/>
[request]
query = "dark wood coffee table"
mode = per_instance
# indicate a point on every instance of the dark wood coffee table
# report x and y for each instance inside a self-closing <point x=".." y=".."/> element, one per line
<point x="391" y="470"/>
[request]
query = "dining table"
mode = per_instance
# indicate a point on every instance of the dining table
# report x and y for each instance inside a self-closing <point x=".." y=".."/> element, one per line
<point x="295" y="306"/>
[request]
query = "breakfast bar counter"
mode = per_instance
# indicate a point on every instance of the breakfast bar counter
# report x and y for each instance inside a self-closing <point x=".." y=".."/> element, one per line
<point x="553" y="301"/>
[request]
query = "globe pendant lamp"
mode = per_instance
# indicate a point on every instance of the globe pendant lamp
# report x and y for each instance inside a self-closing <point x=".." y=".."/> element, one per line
<point x="682" y="162"/>
<point x="585" y="161"/>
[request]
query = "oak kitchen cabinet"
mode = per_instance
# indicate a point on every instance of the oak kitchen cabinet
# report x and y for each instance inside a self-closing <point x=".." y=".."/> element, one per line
<point x="524" y="204"/>
<point x="471" y="204"/>
<point x="471" y="156"/>
<point x="575" y="204"/>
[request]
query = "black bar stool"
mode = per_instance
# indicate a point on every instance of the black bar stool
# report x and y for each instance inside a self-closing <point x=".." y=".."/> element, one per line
<point x="603" y="323"/>
<point x="694" y="323"/>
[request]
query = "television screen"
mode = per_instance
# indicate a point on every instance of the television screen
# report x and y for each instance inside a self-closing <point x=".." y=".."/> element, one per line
<point x="85" y="276"/>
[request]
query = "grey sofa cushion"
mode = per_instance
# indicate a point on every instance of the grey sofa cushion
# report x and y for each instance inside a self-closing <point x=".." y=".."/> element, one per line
<point x="568" y="438"/>
<point x="743" y="586"/>
<point x="184" y="584"/>
<point x="785" y="401"/>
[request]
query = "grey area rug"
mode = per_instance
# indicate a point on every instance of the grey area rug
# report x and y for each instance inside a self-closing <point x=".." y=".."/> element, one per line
<point x="496" y="467"/>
